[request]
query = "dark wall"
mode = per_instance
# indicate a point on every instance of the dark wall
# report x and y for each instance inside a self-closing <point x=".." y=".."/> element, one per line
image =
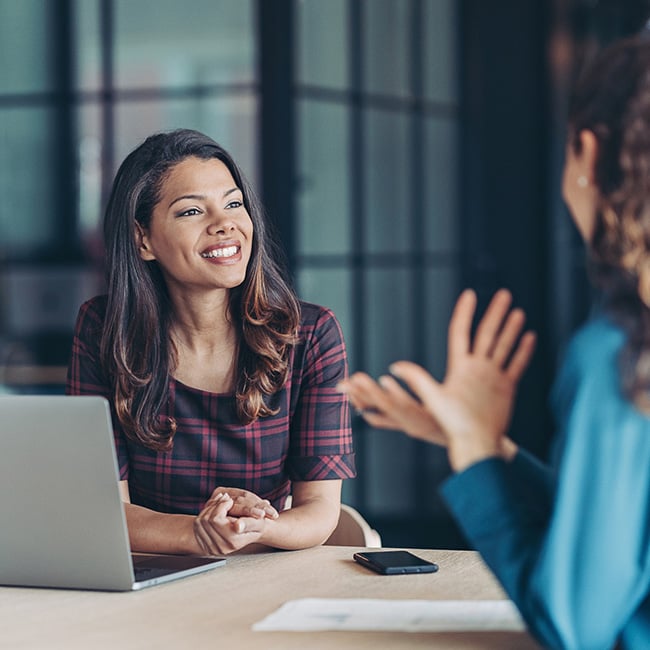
<point x="504" y="180"/>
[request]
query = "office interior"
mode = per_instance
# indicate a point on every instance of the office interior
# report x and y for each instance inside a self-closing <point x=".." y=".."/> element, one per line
<point x="404" y="150"/>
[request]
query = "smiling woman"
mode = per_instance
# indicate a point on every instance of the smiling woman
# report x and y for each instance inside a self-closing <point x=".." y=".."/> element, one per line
<point x="200" y="232"/>
<point x="222" y="384"/>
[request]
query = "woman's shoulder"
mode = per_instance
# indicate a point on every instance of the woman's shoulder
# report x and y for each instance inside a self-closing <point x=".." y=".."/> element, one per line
<point x="92" y="314"/>
<point x="590" y="365"/>
<point x="94" y="307"/>
<point x="319" y="327"/>
<point x="313" y="316"/>
<point x="596" y="343"/>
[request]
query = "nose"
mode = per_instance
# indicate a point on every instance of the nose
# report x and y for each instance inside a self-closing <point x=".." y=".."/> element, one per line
<point x="220" y="226"/>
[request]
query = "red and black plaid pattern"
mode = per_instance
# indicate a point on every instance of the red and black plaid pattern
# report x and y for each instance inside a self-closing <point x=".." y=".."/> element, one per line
<point x="310" y="439"/>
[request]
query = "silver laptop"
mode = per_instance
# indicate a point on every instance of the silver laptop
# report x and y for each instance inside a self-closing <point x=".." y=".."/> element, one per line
<point x="62" y="520"/>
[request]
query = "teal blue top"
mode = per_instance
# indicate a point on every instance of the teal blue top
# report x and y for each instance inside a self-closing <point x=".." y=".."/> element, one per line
<point x="571" y="544"/>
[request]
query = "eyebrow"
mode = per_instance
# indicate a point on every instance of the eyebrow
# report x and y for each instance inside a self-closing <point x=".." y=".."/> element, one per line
<point x="202" y="197"/>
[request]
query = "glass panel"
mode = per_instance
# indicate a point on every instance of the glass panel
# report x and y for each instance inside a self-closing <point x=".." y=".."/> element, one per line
<point x="440" y="50"/>
<point x="26" y="163"/>
<point x="441" y="290"/>
<point x="323" y="195"/>
<point x="163" y="43"/>
<point x="389" y="478"/>
<point x="389" y="311"/>
<point x="441" y="185"/>
<point x="26" y="46"/>
<point x="387" y="167"/>
<point x="55" y="294"/>
<point x="435" y="470"/>
<point x="331" y="288"/>
<point x="322" y="52"/>
<point x="386" y="46"/>
<point x="89" y="154"/>
<point x="230" y="120"/>
<point x="88" y="40"/>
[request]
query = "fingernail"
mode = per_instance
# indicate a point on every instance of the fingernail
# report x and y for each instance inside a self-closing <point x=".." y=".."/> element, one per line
<point x="241" y="526"/>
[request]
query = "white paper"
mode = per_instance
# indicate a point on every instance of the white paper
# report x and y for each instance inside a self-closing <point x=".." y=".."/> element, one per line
<point x="309" y="614"/>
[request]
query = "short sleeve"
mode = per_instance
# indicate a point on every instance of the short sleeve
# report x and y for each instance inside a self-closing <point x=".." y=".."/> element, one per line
<point x="321" y="431"/>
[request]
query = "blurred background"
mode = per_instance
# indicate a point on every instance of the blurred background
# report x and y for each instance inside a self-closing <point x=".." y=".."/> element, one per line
<point x="405" y="149"/>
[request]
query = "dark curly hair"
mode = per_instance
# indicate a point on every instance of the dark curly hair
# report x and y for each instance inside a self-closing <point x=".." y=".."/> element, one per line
<point x="136" y="350"/>
<point x="612" y="100"/>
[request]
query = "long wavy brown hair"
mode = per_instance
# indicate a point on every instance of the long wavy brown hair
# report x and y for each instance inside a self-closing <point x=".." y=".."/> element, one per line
<point x="612" y="100"/>
<point x="136" y="350"/>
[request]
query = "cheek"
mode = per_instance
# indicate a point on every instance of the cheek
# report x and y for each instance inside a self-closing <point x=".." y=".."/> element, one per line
<point x="249" y="231"/>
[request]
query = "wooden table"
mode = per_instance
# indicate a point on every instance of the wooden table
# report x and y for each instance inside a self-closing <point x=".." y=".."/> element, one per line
<point x="218" y="608"/>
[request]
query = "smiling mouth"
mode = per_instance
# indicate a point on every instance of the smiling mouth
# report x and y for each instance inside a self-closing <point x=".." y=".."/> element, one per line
<point x="226" y="251"/>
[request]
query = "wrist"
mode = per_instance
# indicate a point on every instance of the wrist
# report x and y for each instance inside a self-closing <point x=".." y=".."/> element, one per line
<point x="187" y="538"/>
<point x="462" y="455"/>
<point x="509" y="449"/>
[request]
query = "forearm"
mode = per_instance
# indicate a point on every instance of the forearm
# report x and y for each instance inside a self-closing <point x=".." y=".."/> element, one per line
<point x="311" y="519"/>
<point x="302" y="526"/>
<point x="157" y="532"/>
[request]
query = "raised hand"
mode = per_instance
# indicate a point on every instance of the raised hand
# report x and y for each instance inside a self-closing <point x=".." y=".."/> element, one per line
<point x="473" y="406"/>
<point x="386" y="405"/>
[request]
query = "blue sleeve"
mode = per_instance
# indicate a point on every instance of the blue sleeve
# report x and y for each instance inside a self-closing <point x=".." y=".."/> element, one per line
<point x="536" y="483"/>
<point x="578" y="570"/>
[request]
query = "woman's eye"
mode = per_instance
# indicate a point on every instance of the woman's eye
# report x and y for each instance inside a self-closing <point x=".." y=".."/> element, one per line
<point x="190" y="212"/>
<point x="234" y="204"/>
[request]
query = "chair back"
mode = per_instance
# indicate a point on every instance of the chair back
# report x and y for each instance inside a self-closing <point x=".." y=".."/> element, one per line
<point x="353" y="530"/>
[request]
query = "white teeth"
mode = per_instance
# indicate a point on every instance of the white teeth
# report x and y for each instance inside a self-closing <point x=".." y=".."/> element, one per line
<point x="228" y="251"/>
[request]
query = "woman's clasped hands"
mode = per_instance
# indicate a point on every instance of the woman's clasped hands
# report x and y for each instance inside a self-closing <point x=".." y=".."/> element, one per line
<point x="470" y="411"/>
<point x="231" y="519"/>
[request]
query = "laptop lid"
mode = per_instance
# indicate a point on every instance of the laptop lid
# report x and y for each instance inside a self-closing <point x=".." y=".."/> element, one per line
<point x="63" y="519"/>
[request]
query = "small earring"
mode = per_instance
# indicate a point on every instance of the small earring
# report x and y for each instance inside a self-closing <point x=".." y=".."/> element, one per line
<point x="583" y="181"/>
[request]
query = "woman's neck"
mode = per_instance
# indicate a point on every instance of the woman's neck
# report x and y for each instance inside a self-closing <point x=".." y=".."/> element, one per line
<point x="206" y="342"/>
<point x="203" y="323"/>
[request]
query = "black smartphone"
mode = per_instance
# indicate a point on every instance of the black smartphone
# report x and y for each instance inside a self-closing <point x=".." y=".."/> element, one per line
<point x="394" y="562"/>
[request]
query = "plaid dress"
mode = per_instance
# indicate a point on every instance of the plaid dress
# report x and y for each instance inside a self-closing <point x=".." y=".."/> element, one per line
<point x="309" y="439"/>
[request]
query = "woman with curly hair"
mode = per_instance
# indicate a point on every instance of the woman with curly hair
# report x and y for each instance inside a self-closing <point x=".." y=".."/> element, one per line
<point x="571" y="543"/>
<point x="221" y="383"/>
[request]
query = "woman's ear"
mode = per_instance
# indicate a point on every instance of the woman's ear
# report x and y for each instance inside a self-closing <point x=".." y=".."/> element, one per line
<point x="579" y="187"/>
<point x="142" y="243"/>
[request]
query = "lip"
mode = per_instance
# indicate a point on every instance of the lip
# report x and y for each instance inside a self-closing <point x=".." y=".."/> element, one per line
<point x="231" y="259"/>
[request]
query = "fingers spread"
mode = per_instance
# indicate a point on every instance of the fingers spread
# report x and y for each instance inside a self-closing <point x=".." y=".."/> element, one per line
<point x="364" y="392"/>
<point x="507" y="337"/>
<point x="418" y="380"/>
<point x="491" y="323"/>
<point x="522" y="356"/>
<point x="460" y="325"/>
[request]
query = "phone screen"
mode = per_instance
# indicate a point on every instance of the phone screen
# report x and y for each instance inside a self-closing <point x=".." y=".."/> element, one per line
<point x="394" y="562"/>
